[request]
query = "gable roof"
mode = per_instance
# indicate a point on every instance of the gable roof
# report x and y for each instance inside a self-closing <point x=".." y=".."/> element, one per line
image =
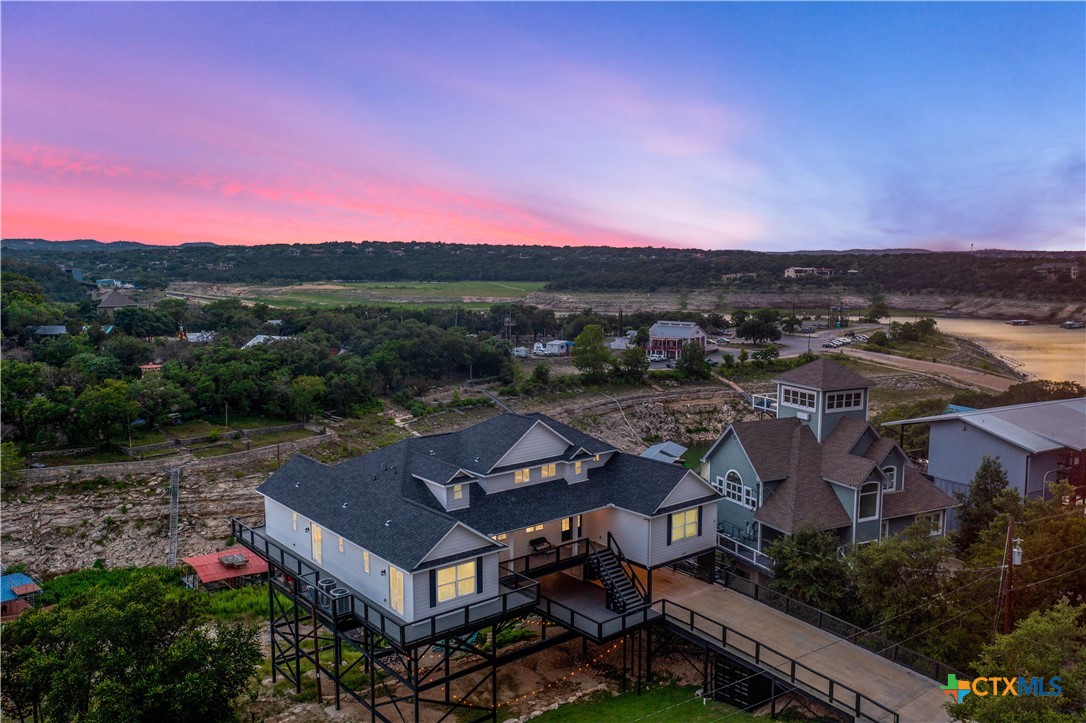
<point x="115" y="300"/>
<point x="674" y="330"/>
<point x="803" y="497"/>
<point x="838" y="463"/>
<point x="13" y="580"/>
<point x="824" y="375"/>
<point x="264" y="339"/>
<point x="1035" y="427"/>
<point x="918" y="495"/>
<point x="378" y="501"/>
<point x="768" y="444"/>
<point x="665" y="452"/>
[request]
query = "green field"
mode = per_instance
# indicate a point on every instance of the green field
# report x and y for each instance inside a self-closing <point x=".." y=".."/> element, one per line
<point x="662" y="704"/>
<point x="412" y="294"/>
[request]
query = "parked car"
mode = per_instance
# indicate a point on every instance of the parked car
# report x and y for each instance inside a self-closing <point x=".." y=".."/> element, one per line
<point x="710" y="362"/>
<point x="670" y="364"/>
<point x="657" y="356"/>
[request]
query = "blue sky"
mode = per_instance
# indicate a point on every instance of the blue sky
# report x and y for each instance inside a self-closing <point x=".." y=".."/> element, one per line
<point x="725" y="125"/>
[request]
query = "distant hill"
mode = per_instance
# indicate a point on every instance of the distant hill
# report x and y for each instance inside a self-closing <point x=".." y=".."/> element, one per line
<point x="73" y="246"/>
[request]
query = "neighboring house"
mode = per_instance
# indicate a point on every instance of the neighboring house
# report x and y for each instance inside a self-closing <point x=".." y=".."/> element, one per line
<point x="621" y="343"/>
<point x="669" y="452"/>
<point x="146" y="369"/>
<point x="669" y="337"/>
<point x="200" y="337"/>
<point x="51" y="330"/>
<point x="819" y="463"/>
<point x="233" y="567"/>
<point x="110" y="301"/>
<point x="1035" y="443"/>
<point x="17" y="594"/>
<point x="796" y="272"/>
<point x="421" y="527"/>
<point x="1051" y="271"/>
<point x="264" y="339"/>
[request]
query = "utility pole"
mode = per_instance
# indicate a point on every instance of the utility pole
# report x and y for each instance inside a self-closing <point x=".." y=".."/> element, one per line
<point x="1014" y="558"/>
<point x="227" y="415"/>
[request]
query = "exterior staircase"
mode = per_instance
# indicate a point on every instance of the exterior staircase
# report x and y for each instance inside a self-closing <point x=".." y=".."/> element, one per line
<point x="624" y="590"/>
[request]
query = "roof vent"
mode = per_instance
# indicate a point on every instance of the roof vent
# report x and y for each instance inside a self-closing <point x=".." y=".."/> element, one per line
<point x="374" y="475"/>
<point x="298" y="484"/>
<point x="344" y="505"/>
<point x="476" y="459"/>
<point x="388" y="522"/>
<point x="431" y="453"/>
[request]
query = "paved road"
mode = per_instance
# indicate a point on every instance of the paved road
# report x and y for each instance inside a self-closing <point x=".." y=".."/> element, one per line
<point x="915" y="698"/>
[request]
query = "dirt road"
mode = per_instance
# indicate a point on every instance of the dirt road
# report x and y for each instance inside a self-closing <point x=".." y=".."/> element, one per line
<point x="989" y="382"/>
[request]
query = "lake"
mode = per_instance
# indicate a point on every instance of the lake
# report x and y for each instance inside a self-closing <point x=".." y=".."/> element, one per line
<point x="1044" y="351"/>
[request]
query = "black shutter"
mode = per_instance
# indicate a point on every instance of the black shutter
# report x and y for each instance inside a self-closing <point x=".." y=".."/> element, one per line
<point x="699" y="521"/>
<point x="433" y="588"/>
<point x="478" y="575"/>
<point x="669" y="529"/>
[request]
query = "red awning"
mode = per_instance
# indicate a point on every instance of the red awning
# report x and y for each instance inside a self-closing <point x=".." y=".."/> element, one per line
<point x="210" y="569"/>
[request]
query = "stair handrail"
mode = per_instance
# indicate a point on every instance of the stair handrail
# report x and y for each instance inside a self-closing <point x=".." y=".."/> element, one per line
<point x="627" y="568"/>
<point x="594" y="562"/>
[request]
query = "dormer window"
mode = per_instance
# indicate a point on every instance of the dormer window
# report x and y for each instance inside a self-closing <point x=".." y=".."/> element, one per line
<point x="458" y="492"/>
<point x="522" y="475"/>
<point x="891" y="478"/>
<point x="840" y="401"/>
<point x="869" y="502"/>
<point x="798" y="398"/>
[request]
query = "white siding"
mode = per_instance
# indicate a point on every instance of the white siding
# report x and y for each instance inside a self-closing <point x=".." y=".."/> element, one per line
<point x="460" y="539"/>
<point x="540" y="442"/>
<point x="419" y="593"/>
<point x="662" y="552"/>
<point x="630" y="531"/>
<point x="690" y="487"/>
<point x="346" y="566"/>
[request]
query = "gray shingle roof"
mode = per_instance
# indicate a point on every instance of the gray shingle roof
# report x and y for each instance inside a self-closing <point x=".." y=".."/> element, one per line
<point x="918" y="495"/>
<point x="674" y="330"/>
<point x="768" y="444"/>
<point x="803" y="498"/>
<point x="825" y="375"/>
<point x="376" y="501"/>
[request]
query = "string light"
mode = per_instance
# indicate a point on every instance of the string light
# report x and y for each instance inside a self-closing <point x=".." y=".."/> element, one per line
<point x="569" y="675"/>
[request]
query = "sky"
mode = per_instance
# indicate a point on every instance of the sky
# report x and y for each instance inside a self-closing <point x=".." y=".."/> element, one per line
<point x="765" y="126"/>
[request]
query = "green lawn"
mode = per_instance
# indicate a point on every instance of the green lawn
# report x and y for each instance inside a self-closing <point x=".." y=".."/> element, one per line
<point x="229" y="446"/>
<point x="672" y="703"/>
<point x="409" y="294"/>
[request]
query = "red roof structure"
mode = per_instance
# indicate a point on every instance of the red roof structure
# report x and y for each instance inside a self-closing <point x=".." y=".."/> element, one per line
<point x="24" y="590"/>
<point x="226" y="565"/>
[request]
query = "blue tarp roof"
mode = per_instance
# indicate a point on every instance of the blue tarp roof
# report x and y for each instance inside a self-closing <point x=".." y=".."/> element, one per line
<point x="13" y="580"/>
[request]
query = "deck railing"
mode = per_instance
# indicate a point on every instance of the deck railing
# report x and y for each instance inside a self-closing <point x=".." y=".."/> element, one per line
<point x="517" y="594"/>
<point x="737" y="549"/>
<point x="558" y="557"/>
<point x="819" y="686"/>
<point x="917" y="662"/>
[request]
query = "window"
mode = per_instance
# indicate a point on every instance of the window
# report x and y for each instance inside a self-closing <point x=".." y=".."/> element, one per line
<point x="455" y="581"/>
<point x="567" y="529"/>
<point x="395" y="589"/>
<point x="458" y="492"/>
<point x="522" y="475"/>
<point x="596" y="458"/>
<point x="731" y="486"/>
<point x="366" y="561"/>
<point x="341" y="545"/>
<point x="577" y="467"/>
<point x="318" y="549"/>
<point x="685" y="525"/>
<point x="499" y="538"/>
<point x="798" y="398"/>
<point x="839" y="401"/>
<point x="534" y="528"/>
<point x="936" y="521"/>
<point x="891" y="478"/>
<point x="869" y="501"/>
<point x="550" y="470"/>
<point x="294" y="520"/>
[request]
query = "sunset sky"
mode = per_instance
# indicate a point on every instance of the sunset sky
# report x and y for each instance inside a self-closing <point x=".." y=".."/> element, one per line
<point x="763" y="126"/>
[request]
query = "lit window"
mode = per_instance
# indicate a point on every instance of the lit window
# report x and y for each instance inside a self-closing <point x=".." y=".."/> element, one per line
<point x="891" y="478"/>
<point x="684" y="524"/>
<point x="869" y="501"/>
<point x="499" y="538"/>
<point x="550" y="470"/>
<point x="522" y="475"/>
<point x="596" y="458"/>
<point x="798" y="398"/>
<point x="458" y="492"/>
<point x="316" y="535"/>
<point x="844" y="400"/>
<point x="341" y="545"/>
<point x="577" y="467"/>
<point x="366" y="561"/>
<point x="294" y="520"/>
<point x="534" y="528"/>
<point x="456" y="581"/>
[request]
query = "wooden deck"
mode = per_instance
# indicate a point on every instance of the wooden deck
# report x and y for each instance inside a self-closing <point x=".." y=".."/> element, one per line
<point x="911" y="695"/>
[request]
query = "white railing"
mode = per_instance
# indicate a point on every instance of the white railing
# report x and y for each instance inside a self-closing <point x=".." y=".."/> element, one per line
<point x="764" y="402"/>
<point x="744" y="552"/>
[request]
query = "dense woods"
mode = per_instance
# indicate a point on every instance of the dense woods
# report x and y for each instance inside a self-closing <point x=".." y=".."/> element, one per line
<point x="580" y="268"/>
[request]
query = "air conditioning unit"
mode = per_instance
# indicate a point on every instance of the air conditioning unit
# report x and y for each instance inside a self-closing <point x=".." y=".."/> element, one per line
<point x="803" y="415"/>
